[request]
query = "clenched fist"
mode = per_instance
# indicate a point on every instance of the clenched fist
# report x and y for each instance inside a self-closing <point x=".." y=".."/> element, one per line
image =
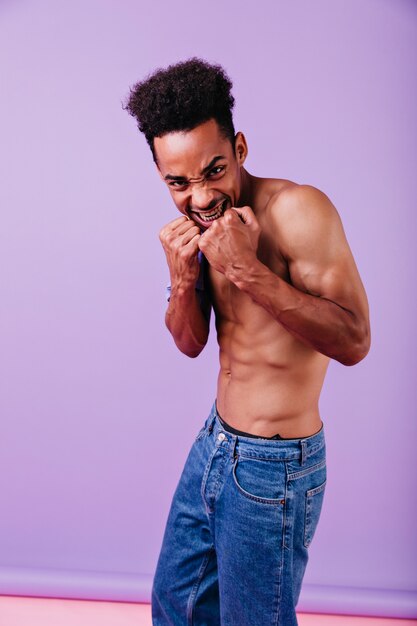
<point x="180" y="239"/>
<point x="231" y="241"/>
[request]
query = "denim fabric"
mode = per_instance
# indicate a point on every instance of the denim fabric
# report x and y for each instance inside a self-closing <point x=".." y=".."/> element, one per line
<point x="236" y="541"/>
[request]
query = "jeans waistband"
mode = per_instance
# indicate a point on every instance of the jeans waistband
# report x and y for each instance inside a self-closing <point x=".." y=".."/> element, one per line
<point x="273" y="449"/>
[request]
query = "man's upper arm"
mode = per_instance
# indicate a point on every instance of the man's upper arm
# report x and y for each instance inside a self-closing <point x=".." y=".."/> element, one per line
<point x="311" y="238"/>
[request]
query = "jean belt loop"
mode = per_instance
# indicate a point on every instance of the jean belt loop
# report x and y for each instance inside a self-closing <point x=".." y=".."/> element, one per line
<point x="211" y="423"/>
<point x="303" y="444"/>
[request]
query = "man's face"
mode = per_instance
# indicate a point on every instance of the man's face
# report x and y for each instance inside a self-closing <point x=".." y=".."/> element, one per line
<point x="202" y="170"/>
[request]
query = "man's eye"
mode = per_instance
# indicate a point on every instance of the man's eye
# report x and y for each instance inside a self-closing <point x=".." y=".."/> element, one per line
<point x="178" y="184"/>
<point x="216" y="171"/>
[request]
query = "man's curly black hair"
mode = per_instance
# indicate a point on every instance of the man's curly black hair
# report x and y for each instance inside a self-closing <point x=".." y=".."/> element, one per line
<point x="181" y="97"/>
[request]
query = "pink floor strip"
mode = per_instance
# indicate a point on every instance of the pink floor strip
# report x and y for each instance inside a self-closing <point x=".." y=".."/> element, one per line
<point x="22" y="611"/>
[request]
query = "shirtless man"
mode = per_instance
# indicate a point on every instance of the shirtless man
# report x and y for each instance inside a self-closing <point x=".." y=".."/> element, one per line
<point x="272" y="259"/>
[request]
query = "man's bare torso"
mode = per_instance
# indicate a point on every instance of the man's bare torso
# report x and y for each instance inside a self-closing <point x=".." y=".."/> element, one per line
<point x="269" y="381"/>
<point x="284" y="284"/>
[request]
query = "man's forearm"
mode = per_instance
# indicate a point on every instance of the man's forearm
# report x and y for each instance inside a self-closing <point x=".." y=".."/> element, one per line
<point x="186" y="322"/>
<point x="318" y="322"/>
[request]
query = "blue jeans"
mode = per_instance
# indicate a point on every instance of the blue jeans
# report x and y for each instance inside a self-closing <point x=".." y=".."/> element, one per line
<point x="242" y="517"/>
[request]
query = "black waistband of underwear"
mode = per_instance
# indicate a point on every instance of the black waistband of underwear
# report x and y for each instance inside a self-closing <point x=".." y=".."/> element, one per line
<point x="234" y="431"/>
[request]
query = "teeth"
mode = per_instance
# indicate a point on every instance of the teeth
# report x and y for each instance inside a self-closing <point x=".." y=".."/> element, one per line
<point x="209" y="217"/>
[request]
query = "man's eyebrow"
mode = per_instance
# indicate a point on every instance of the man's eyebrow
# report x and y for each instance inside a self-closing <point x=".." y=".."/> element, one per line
<point x="212" y="163"/>
<point x="204" y="171"/>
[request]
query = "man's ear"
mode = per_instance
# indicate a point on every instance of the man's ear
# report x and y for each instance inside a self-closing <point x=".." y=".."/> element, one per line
<point x="241" y="148"/>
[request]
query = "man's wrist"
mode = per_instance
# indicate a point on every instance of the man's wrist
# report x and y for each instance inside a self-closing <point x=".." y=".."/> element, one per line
<point x="183" y="287"/>
<point x="245" y="276"/>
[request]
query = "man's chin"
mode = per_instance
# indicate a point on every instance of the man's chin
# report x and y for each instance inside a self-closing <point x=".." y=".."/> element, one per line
<point x="200" y="223"/>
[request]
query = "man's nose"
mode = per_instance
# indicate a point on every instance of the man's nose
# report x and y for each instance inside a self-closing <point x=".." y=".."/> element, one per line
<point x="202" y="199"/>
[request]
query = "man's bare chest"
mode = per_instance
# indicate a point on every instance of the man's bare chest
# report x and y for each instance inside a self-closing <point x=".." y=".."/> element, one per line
<point x="230" y="303"/>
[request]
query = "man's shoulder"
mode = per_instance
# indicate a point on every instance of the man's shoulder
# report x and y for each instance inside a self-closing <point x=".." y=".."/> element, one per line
<point x="291" y="196"/>
<point x="294" y="206"/>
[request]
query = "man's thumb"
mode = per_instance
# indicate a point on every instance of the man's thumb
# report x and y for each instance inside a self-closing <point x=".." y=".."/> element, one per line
<point x="246" y="214"/>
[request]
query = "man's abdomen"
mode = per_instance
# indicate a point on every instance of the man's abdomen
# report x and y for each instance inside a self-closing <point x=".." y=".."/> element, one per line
<point x="262" y="398"/>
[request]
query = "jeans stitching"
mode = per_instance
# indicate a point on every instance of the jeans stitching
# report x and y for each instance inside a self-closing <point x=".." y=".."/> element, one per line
<point x="219" y="475"/>
<point x="308" y="470"/>
<point x="193" y="594"/>
<point x="288" y="457"/>
<point x="284" y="529"/>
<point x="205" y="476"/>
<point x="316" y="490"/>
<point x="250" y="496"/>
<point x="307" y="539"/>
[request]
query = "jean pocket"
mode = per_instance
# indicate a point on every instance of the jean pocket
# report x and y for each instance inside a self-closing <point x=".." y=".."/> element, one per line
<point x="260" y="480"/>
<point x="314" y="502"/>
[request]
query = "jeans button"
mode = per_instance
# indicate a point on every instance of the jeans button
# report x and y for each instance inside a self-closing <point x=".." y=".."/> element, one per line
<point x="221" y="437"/>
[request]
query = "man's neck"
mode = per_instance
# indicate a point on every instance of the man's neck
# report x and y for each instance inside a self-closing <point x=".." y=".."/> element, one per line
<point x="246" y="193"/>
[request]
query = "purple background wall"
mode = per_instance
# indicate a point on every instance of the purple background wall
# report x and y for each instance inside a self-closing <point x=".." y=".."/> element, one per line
<point x="98" y="409"/>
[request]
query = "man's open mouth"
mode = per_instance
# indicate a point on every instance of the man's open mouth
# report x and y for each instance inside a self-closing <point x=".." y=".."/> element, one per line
<point x="210" y="216"/>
